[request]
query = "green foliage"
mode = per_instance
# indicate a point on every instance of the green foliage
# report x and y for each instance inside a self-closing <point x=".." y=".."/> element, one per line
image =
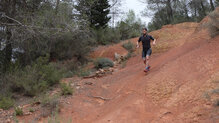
<point x="103" y="62"/>
<point x="131" y="27"/>
<point x="129" y="46"/>
<point x="49" y="101"/>
<point x="50" y="104"/>
<point x="36" y="78"/>
<point x="54" y="118"/>
<point x="99" y="14"/>
<point x="31" y="110"/>
<point x="50" y="30"/>
<point x="129" y="55"/>
<point x="95" y="11"/>
<point x="83" y="72"/>
<point x="6" y="102"/>
<point x="176" y="11"/>
<point x="106" y="36"/>
<point x="18" y="111"/>
<point x="66" y="89"/>
<point x="217" y="2"/>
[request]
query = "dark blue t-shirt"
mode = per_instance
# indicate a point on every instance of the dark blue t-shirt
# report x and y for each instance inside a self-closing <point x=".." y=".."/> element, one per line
<point x="146" y="41"/>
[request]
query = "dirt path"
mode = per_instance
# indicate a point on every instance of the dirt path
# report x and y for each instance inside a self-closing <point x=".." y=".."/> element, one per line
<point x="172" y="92"/>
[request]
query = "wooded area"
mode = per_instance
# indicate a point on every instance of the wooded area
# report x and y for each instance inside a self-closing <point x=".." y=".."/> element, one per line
<point x="177" y="11"/>
<point x="43" y="41"/>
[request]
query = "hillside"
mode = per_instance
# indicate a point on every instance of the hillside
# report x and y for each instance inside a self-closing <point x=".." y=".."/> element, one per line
<point x="182" y="85"/>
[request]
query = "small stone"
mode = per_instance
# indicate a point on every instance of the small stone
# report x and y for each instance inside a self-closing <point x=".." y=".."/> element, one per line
<point x="78" y="87"/>
<point x="111" y="69"/>
<point x="88" y="83"/>
<point x="72" y="84"/>
<point x="28" y="113"/>
<point x="8" y="121"/>
<point x="116" y="70"/>
<point x="1" y="110"/>
<point x="101" y="70"/>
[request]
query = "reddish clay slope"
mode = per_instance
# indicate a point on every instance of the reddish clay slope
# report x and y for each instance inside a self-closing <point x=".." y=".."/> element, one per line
<point x="168" y="35"/>
<point x="173" y="91"/>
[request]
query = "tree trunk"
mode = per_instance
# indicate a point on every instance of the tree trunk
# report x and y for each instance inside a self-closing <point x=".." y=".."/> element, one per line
<point x="169" y="10"/>
<point x="7" y="51"/>
<point x="212" y="5"/>
<point x="203" y="8"/>
<point x="57" y="6"/>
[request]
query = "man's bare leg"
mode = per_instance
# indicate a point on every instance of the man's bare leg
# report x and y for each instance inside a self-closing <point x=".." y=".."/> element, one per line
<point x="147" y="61"/>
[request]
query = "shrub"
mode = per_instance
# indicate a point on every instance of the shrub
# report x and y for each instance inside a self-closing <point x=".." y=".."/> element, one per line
<point x="66" y="89"/>
<point x="50" y="104"/>
<point x="31" y="110"/>
<point x="83" y="72"/>
<point x="18" y="111"/>
<point x="48" y="100"/>
<point x="216" y="102"/>
<point x="123" y="64"/>
<point x="6" y="103"/>
<point x="129" y="46"/>
<point x="107" y="36"/>
<point x="129" y="55"/>
<point x="36" y="78"/>
<point x="213" y="26"/>
<point x="103" y="62"/>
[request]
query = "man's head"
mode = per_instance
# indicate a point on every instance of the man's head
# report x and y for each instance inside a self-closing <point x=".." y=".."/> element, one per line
<point x="145" y="31"/>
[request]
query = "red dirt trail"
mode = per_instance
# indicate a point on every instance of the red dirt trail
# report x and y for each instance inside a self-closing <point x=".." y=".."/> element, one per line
<point x="172" y="92"/>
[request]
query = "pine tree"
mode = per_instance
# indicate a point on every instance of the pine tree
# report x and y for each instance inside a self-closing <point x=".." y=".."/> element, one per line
<point x="99" y="14"/>
<point x="94" y="11"/>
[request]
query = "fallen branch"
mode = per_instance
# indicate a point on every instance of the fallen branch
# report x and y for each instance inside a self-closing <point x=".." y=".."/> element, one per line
<point x="3" y="15"/>
<point x="99" y="97"/>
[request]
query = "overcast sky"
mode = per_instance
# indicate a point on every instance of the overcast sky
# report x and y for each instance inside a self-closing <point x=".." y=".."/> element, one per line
<point x="137" y="7"/>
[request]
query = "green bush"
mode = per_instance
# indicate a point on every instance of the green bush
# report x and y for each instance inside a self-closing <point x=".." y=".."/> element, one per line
<point x="103" y="62"/>
<point x="82" y="72"/>
<point x="129" y="46"/>
<point x="129" y="55"/>
<point x="6" y="103"/>
<point x="107" y="36"/>
<point x="36" y="78"/>
<point x="18" y="111"/>
<point x="66" y="89"/>
<point x="31" y="110"/>
<point x="49" y="101"/>
<point x="50" y="104"/>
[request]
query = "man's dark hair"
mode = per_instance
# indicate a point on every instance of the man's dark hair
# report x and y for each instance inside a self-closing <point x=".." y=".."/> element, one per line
<point x="145" y="29"/>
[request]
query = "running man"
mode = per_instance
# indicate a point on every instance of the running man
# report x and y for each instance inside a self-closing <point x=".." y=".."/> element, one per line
<point x="146" y="52"/>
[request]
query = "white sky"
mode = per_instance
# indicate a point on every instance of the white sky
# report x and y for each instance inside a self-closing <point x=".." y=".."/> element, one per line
<point x="137" y="6"/>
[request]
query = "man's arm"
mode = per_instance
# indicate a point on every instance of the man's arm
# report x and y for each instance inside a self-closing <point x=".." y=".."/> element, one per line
<point x="139" y="40"/>
<point x="154" y="40"/>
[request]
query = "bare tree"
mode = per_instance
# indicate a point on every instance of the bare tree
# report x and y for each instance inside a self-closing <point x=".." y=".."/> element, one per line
<point x="115" y="10"/>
